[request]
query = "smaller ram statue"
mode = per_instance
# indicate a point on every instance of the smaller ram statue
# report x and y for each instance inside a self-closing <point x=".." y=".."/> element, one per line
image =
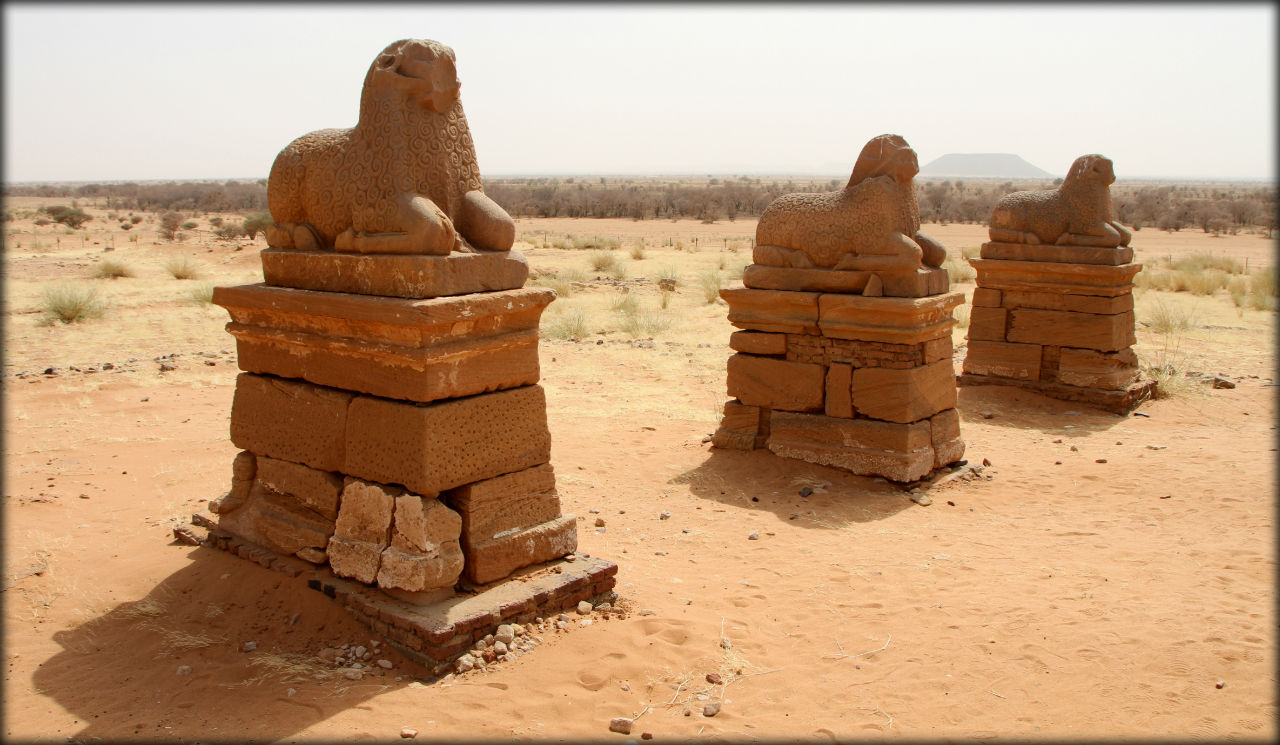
<point x="1077" y="213"/>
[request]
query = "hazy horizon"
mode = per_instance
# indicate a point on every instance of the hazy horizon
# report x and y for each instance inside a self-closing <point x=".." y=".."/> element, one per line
<point x="197" y="92"/>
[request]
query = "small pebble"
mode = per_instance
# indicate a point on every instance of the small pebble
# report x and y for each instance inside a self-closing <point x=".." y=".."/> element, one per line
<point x="583" y="607"/>
<point x="408" y="733"/>
<point x="385" y="664"/>
<point x="249" y="647"/>
<point x="986" y="463"/>
<point x="585" y="622"/>
<point x="988" y="415"/>
<point x="664" y="515"/>
<point x="646" y="735"/>
<point x="711" y="709"/>
<point x="753" y="536"/>
<point x="352" y="674"/>
<point x="291" y="692"/>
<point x="1075" y="449"/>
<point x="1220" y="684"/>
<point x="1100" y="460"/>
<point x="805" y="491"/>
<point x="714" y="679"/>
<point x="921" y="499"/>
<point x="599" y="522"/>
<point x="186" y="670"/>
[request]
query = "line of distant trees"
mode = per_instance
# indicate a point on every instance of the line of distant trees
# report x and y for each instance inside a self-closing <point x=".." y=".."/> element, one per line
<point x="1212" y="208"/>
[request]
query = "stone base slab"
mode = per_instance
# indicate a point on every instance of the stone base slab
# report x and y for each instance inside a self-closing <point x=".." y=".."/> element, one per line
<point x="1048" y="276"/>
<point x="1117" y="402"/>
<point x="1057" y="254"/>
<point x="415" y="350"/>
<point x="840" y="316"/>
<point x="920" y="283"/>
<point x="407" y="276"/>
<point x="436" y="634"/>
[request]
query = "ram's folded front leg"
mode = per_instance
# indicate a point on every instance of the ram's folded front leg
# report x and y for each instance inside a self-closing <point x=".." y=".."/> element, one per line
<point x="427" y="230"/>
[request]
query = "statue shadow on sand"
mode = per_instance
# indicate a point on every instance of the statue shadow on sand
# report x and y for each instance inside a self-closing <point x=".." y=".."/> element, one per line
<point x="172" y="665"/>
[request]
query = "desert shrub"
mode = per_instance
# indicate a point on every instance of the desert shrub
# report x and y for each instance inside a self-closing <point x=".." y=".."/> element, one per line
<point x="135" y="219"/>
<point x="567" y="324"/>
<point x="256" y="222"/>
<point x="216" y="221"/>
<point x="644" y="323"/>
<point x="1262" y="289"/>
<point x="625" y="303"/>
<point x="562" y="286"/>
<point x="618" y="270"/>
<point x="229" y="231"/>
<point x="72" y="217"/>
<point x="959" y="271"/>
<point x="111" y="269"/>
<point x="602" y="261"/>
<point x="69" y="303"/>
<point x="126" y="226"/>
<point x="1206" y="282"/>
<point x="201" y="294"/>
<point x="668" y="274"/>
<point x="43" y="221"/>
<point x="182" y="267"/>
<point x="709" y="281"/>
<point x="169" y="224"/>
<point x="637" y="251"/>
<point x="1200" y="262"/>
<point x="189" y="225"/>
<point x="1167" y="318"/>
<point x="970" y="252"/>
<point x="1238" y="288"/>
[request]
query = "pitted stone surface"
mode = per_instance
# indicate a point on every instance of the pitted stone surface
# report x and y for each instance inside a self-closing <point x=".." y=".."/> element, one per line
<point x="1077" y="213"/>
<point x="433" y="447"/>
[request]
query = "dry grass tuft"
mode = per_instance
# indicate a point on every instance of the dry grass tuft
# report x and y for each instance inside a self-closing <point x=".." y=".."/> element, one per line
<point x="111" y="269"/>
<point x="182" y="267"/>
<point x="69" y="303"/>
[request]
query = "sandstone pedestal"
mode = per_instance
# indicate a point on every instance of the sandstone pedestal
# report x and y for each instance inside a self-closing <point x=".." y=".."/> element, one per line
<point x="395" y="445"/>
<point x="1057" y="320"/>
<point x="861" y="383"/>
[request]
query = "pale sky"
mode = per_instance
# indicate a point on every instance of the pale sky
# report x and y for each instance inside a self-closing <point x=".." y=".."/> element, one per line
<point x="156" y="91"/>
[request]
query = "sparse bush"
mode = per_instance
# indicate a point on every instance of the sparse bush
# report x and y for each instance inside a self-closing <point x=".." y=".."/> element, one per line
<point x="563" y="287"/>
<point x="644" y="323"/>
<point x="710" y="283"/>
<point x="970" y="252"/>
<point x="567" y="324"/>
<point x="668" y="274"/>
<point x="1166" y="318"/>
<point x="602" y="261"/>
<point x="126" y="226"/>
<point x="182" y="267"/>
<point x="637" y="251"/>
<point x="69" y="303"/>
<point x="1206" y="282"/>
<point x="135" y="219"/>
<point x="189" y="225"/>
<point x="72" y="217"/>
<point x="43" y="221"/>
<point x="201" y="294"/>
<point x="229" y="231"/>
<point x="111" y="269"/>
<point x="958" y="271"/>
<point x="256" y="222"/>
<point x="216" y="221"/>
<point x="1262" y="289"/>
<point x="169" y="224"/>
<point x="625" y="303"/>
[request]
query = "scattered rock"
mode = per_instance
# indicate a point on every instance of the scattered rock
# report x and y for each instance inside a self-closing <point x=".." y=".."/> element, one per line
<point x="1221" y="382"/>
<point x="291" y="692"/>
<point x="688" y="711"/>
<point x="186" y="670"/>
<point x="805" y="491"/>
<point x="167" y="367"/>
<point x="499" y="649"/>
<point x="181" y="533"/>
<point x="1075" y="449"/>
<point x="753" y="536"/>
<point x="351" y="674"/>
<point x="385" y="664"/>
<point x="664" y="515"/>
<point x="1142" y="414"/>
<point x="725" y="643"/>
<point x="1157" y="447"/>
<point x="646" y="735"/>
<point x="249" y="647"/>
<point x="465" y="662"/>
<point x="621" y="725"/>
<point x="988" y="415"/>
<point x="986" y="463"/>
<point x="711" y="709"/>
<point x="407" y="733"/>
<point x="505" y="634"/>
<point x="1100" y="460"/>
<point x="1220" y="684"/>
<point x="599" y="522"/>
<point x="714" y="679"/>
<point x="583" y="607"/>
<point x="921" y="499"/>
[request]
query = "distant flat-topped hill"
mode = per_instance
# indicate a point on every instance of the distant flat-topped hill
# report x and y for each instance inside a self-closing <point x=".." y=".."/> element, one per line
<point x="983" y="165"/>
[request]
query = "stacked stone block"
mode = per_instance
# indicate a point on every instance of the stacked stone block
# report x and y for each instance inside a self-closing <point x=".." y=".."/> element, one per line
<point x="865" y="384"/>
<point x="390" y="419"/>
<point x="1056" y="319"/>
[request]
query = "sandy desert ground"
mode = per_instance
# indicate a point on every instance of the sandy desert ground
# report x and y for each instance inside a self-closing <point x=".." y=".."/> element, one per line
<point x="1105" y="575"/>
